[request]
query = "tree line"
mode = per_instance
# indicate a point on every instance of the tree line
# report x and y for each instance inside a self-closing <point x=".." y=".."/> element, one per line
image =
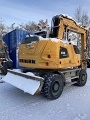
<point x="30" y="26"/>
<point x="80" y="16"/>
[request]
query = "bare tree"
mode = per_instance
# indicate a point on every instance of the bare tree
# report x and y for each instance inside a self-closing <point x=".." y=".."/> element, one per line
<point x="78" y="14"/>
<point x="32" y="26"/>
<point x="81" y="16"/>
<point x="2" y="29"/>
<point x="43" y="25"/>
<point x="85" y="19"/>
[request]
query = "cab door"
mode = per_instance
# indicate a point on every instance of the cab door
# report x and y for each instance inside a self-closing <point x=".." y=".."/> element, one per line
<point x="64" y="58"/>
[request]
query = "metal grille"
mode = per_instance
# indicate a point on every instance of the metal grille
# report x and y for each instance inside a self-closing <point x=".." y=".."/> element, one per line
<point x="27" y="61"/>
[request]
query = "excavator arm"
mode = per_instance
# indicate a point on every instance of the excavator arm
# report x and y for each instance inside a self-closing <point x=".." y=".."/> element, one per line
<point x="61" y="23"/>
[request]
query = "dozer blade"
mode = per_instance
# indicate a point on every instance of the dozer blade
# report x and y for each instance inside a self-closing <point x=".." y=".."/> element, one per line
<point x="27" y="82"/>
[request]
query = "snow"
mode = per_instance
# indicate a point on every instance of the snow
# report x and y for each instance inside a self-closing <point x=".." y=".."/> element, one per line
<point x="28" y="73"/>
<point x="54" y="39"/>
<point x="73" y="104"/>
<point x="67" y="16"/>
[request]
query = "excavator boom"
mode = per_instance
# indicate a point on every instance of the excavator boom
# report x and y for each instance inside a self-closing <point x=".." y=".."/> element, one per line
<point x="65" y="23"/>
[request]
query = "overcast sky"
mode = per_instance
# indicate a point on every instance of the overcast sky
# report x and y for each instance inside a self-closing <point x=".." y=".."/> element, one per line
<point x="22" y="11"/>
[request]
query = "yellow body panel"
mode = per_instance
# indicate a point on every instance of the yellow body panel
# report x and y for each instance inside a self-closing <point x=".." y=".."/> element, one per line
<point x="45" y="55"/>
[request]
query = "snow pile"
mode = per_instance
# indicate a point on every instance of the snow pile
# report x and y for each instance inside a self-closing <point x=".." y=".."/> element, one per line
<point x="54" y="39"/>
<point x="64" y="15"/>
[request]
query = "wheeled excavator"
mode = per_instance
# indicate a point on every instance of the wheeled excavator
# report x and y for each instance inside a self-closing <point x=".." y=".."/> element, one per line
<point x="49" y="62"/>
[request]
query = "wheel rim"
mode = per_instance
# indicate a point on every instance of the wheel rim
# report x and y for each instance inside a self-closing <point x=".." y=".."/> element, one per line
<point x="83" y="78"/>
<point x="55" y="88"/>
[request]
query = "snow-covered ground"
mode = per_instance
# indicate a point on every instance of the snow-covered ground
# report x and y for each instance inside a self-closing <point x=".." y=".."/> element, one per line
<point x="74" y="104"/>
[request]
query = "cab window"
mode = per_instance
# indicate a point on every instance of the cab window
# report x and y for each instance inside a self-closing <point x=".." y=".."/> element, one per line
<point x="76" y="49"/>
<point x="63" y="53"/>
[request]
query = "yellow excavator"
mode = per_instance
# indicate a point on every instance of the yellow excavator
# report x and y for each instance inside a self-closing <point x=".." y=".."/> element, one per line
<point x="49" y="60"/>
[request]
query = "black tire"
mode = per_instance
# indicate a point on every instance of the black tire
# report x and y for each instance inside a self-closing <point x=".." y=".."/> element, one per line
<point x="6" y="65"/>
<point x="88" y="63"/>
<point x="53" y="86"/>
<point x="4" y="69"/>
<point x="81" y="81"/>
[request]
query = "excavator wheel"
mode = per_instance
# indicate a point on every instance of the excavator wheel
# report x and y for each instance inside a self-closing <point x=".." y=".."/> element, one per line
<point x="53" y="86"/>
<point x="4" y="68"/>
<point x="6" y="65"/>
<point x="81" y="81"/>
